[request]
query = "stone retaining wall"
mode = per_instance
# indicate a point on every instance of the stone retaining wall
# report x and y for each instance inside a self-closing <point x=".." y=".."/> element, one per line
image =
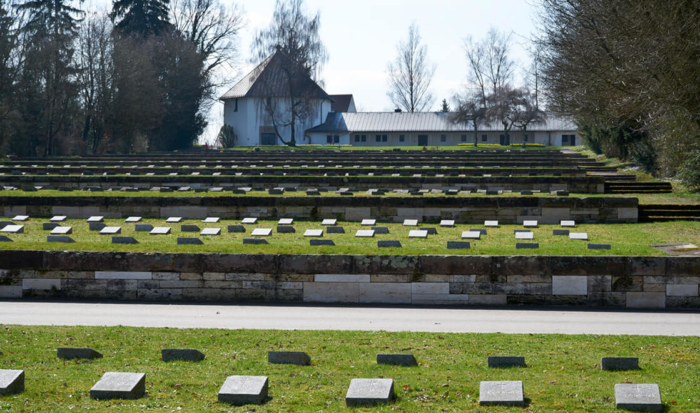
<point x="632" y="282"/>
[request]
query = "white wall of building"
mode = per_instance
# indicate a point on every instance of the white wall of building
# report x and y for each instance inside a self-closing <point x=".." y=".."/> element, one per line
<point x="436" y="139"/>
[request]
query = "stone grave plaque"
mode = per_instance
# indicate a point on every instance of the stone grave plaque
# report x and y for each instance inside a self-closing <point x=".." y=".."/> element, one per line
<point x="335" y="230"/>
<point x="60" y="238"/>
<point x="286" y="221"/>
<point x="579" y="236"/>
<point x="254" y="241"/>
<point x="124" y="240"/>
<point x="638" y="397"/>
<point x="242" y="390"/>
<point x="189" y="228"/>
<point x="329" y="222"/>
<point x="58" y="218"/>
<point x="564" y="232"/>
<point x="364" y="233"/>
<point x="599" y="246"/>
<point x="286" y="229"/>
<point x="525" y="192"/>
<point x="619" y="363"/>
<point x="210" y="232"/>
<point x="96" y="219"/>
<point x="119" y="386"/>
<point x="406" y="360"/>
<point x="249" y="221"/>
<point x="524" y="235"/>
<point x="321" y="243"/>
<point x="416" y="233"/>
<point x="431" y="230"/>
<point x="3" y="224"/>
<point x="313" y="193"/>
<point x="369" y="392"/>
<point x="501" y="393"/>
<point x="185" y="354"/>
<point x="261" y="232"/>
<point x="410" y="222"/>
<point x="298" y="358"/>
<point x="500" y="361"/>
<point x="458" y="245"/>
<point x="530" y="224"/>
<point x="482" y="231"/>
<point x="380" y="230"/>
<point x="211" y="220"/>
<point x="3" y="238"/>
<point x="62" y="231"/>
<point x="143" y="227"/>
<point x="173" y="220"/>
<point x="471" y="235"/>
<point x="389" y="244"/>
<point x="368" y="222"/>
<point x="46" y="226"/>
<point x="160" y="231"/>
<point x="447" y="223"/>
<point x="132" y="220"/>
<point x="96" y="226"/>
<point x="236" y="228"/>
<point x="70" y="353"/>
<point x="21" y="218"/>
<point x="110" y="231"/>
<point x="568" y="224"/>
<point x="491" y="224"/>
<point x="13" y="229"/>
<point x="189" y="241"/>
<point x="524" y="245"/>
<point x="11" y="382"/>
<point x="275" y="191"/>
<point x="313" y="233"/>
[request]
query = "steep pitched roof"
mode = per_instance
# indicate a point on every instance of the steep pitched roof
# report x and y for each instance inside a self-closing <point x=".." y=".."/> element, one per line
<point x="341" y="103"/>
<point x="268" y="79"/>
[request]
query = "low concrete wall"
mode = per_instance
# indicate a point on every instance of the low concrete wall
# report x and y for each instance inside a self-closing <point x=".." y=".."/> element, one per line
<point x="428" y="209"/>
<point x="632" y="282"/>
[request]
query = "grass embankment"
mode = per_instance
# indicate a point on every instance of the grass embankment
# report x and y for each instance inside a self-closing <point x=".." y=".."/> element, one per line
<point x="626" y="239"/>
<point x="562" y="373"/>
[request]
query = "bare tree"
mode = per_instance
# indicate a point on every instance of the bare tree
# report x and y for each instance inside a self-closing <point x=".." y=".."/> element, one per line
<point x="527" y="111"/>
<point x="489" y="63"/>
<point x="503" y="107"/>
<point x="292" y="56"/>
<point x="471" y="110"/>
<point x="410" y="74"/>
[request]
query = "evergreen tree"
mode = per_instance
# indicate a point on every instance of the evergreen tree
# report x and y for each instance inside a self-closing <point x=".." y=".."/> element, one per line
<point x="445" y="106"/>
<point x="141" y="17"/>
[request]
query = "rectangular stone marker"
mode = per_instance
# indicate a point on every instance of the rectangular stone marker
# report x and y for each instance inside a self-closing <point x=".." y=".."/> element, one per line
<point x="524" y="235"/>
<point x="143" y="228"/>
<point x="369" y="392"/>
<point x="70" y="353"/>
<point x="331" y="222"/>
<point x="389" y="244"/>
<point x="410" y="222"/>
<point x="189" y="241"/>
<point x="211" y="220"/>
<point x="298" y="358"/>
<point x="471" y="235"/>
<point x="599" y="246"/>
<point x="160" y="231"/>
<point x="236" y="228"/>
<point x="11" y="382"/>
<point x="568" y="224"/>
<point x="261" y="232"/>
<point x="60" y="238"/>
<point x="364" y="233"/>
<point x="124" y="240"/>
<point x="619" y="363"/>
<point x="313" y="233"/>
<point x="13" y="229"/>
<point x="321" y="243"/>
<point x="62" y="231"/>
<point x="406" y="360"/>
<point x="458" y="245"/>
<point x="185" y="354"/>
<point x="368" y="222"/>
<point x="96" y="226"/>
<point x="21" y="218"/>
<point x="254" y="241"/>
<point x="416" y="233"/>
<point x="380" y="230"/>
<point x="58" y="218"/>
<point x="286" y="221"/>
<point x="447" y="223"/>
<point x="5" y="239"/>
<point x="133" y="220"/>
<point x="210" y="232"/>
<point x="3" y="224"/>
<point x="119" y="386"/>
<point x="491" y="224"/>
<point x="638" y="397"/>
<point x="189" y="228"/>
<point x="501" y="393"/>
<point x="173" y="220"/>
<point x="110" y="231"/>
<point x="335" y="230"/>
<point x="579" y="236"/>
<point x="242" y="390"/>
<point x="530" y="224"/>
<point x="431" y="230"/>
<point x="564" y="232"/>
<point x="286" y="229"/>
<point x="524" y="245"/>
<point x="249" y="221"/>
<point x="482" y="231"/>
<point x="525" y="192"/>
<point x="96" y="219"/>
<point x="500" y="362"/>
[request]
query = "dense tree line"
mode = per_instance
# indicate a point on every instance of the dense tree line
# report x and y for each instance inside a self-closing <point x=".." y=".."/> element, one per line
<point x="628" y="71"/>
<point x="137" y="78"/>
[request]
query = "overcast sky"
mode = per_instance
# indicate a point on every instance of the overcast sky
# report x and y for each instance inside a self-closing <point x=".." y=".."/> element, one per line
<point x="361" y="38"/>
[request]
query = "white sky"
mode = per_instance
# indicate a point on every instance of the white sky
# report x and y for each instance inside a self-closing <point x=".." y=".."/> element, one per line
<point x="361" y="37"/>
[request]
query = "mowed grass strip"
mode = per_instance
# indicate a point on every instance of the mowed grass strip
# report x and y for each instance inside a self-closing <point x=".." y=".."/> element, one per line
<point x="625" y="239"/>
<point x="562" y="374"/>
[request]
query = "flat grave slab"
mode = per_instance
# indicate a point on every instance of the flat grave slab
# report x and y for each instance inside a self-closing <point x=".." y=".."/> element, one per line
<point x="380" y="230"/>
<point x="58" y="218"/>
<point x="254" y="241"/>
<point x="579" y="236"/>
<point x="313" y="233"/>
<point x="210" y="232"/>
<point x="13" y="229"/>
<point x="236" y="229"/>
<point x="286" y="221"/>
<point x="143" y="227"/>
<point x="173" y="220"/>
<point x="249" y="221"/>
<point x="189" y="228"/>
<point x="160" y="231"/>
<point x="406" y="360"/>
<point x="501" y="361"/>
<point x="21" y="218"/>
<point x="447" y="223"/>
<point x="119" y="386"/>
<point x="417" y="233"/>
<point x="482" y="231"/>
<point x="364" y="233"/>
<point x="568" y="224"/>
<point x="431" y="230"/>
<point x="530" y="224"/>
<point x="561" y="232"/>
<point x="60" y="238"/>
<point x="298" y="358"/>
<point x="369" y="392"/>
<point x="96" y="226"/>
<point x="335" y="230"/>
<point x="124" y="240"/>
<point x="11" y="382"/>
<point x="524" y="235"/>
<point x="111" y="231"/>
<point x="132" y="220"/>
<point x="471" y="235"/>
<point x="62" y="231"/>
<point x="638" y="397"/>
<point x="526" y="245"/>
<point x="242" y="390"/>
<point x="599" y="246"/>
<point x="458" y="245"/>
<point x="389" y="244"/>
<point x="368" y="222"/>
<point x="619" y="363"/>
<point x="491" y="224"/>
<point x="96" y="219"/>
<point x="329" y="222"/>
<point x="261" y="232"/>
<point x="501" y="393"/>
<point x="70" y="353"/>
<point x="3" y="224"/>
<point x="3" y="238"/>
<point x="211" y="220"/>
<point x="321" y="243"/>
<point x="410" y="222"/>
<point x="184" y="354"/>
<point x="189" y="241"/>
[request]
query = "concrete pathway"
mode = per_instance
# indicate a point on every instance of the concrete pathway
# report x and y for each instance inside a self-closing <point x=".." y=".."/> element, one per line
<point x="352" y="318"/>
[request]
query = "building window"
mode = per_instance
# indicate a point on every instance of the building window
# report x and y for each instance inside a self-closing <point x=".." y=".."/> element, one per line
<point x="464" y="138"/>
<point x="484" y="138"/>
<point x="235" y="105"/>
<point x="525" y="138"/>
<point x="336" y="139"/>
<point x="329" y="139"/>
<point x="364" y="138"/>
<point x="379" y="138"/>
<point x="402" y="138"/>
<point x="384" y="138"/>
<point x="443" y="138"/>
<point x="357" y="138"/>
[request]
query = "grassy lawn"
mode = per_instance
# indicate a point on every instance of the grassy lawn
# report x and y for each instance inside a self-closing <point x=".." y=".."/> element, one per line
<point x="626" y="239"/>
<point x="562" y="373"/>
<point x="468" y="147"/>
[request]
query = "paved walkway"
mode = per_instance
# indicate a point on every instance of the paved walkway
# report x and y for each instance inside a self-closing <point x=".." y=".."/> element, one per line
<point x="352" y="318"/>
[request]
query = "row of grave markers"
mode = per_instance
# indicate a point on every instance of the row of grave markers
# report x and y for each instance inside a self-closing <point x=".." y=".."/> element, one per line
<point x="245" y="390"/>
